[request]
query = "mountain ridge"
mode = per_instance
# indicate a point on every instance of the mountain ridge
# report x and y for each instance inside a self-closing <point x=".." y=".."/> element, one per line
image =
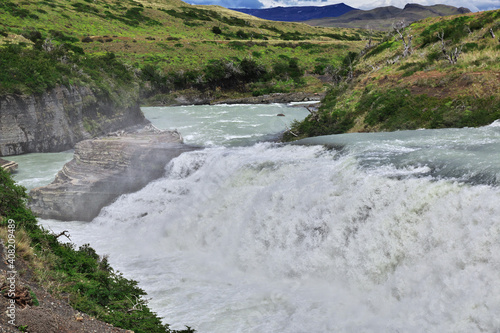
<point x="382" y="18"/>
<point x="297" y="13"/>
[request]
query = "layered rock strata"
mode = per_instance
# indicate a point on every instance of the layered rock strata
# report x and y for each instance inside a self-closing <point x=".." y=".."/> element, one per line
<point x="10" y="166"/>
<point x="102" y="169"/>
<point x="58" y="119"/>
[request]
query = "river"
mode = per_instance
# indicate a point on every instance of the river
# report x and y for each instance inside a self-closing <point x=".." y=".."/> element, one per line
<point x="373" y="232"/>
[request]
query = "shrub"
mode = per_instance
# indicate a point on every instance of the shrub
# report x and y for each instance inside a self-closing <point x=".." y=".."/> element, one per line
<point x="241" y="34"/>
<point x="216" y="30"/>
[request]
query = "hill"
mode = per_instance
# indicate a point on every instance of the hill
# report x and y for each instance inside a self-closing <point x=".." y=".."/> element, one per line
<point x="382" y="18"/>
<point x="297" y="14"/>
<point x="165" y="42"/>
<point x="436" y="73"/>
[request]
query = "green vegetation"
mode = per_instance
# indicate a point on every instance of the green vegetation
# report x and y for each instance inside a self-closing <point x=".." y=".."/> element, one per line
<point x="92" y="285"/>
<point x="448" y="79"/>
<point x="36" y="69"/>
<point x="178" y="40"/>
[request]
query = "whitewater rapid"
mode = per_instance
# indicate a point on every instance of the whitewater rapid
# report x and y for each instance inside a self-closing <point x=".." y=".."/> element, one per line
<point x="392" y="232"/>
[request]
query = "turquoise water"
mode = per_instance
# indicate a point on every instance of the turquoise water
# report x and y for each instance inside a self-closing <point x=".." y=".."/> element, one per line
<point x="227" y="125"/>
<point x="39" y="169"/>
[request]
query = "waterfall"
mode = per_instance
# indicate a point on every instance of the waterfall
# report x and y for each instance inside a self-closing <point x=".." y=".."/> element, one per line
<point x="371" y="232"/>
<point x="302" y="238"/>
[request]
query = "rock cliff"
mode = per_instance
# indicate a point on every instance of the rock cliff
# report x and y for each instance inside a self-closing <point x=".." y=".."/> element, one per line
<point x="58" y="119"/>
<point x="102" y="169"/>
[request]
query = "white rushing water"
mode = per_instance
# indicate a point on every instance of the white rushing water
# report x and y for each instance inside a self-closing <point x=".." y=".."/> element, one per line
<point x="386" y="232"/>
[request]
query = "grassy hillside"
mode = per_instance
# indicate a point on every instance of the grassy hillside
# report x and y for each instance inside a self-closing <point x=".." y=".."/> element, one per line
<point x="168" y="35"/>
<point x="450" y="77"/>
<point x="383" y="18"/>
<point x="81" y="276"/>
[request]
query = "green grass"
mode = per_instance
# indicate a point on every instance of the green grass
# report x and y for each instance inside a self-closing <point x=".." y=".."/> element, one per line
<point x="424" y="90"/>
<point x="153" y="31"/>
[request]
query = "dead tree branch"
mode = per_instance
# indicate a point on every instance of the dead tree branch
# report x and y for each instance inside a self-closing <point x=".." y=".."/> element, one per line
<point x="65" y="233"/>
<point x="138" y="305"/>
<point x="314" y="114"/>
<point x="406" y="38"/>
<point x="451" y="56"/>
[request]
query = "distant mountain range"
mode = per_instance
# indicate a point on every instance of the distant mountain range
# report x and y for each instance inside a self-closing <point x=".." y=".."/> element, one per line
<point x="297" y="14"/>
<point x="382" y="18"/>
<point x="342" y="15"/>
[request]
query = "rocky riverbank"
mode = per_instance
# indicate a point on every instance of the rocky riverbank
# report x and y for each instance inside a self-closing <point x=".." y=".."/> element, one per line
<point x="104" y="168"/>
<point x="274" y="98"/>
<point x="57" y="119"/>
<point x="196" y="98"/>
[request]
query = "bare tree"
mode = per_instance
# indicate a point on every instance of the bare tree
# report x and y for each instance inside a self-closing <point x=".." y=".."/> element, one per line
<point x="451" y="56"/>
<point x="48" y="46"/>
<point x="138" y="305"/>
<point x="405" y="37"/>
<point x="314" y="114"/>
<point x="370" y="31"/>
<point x="350" y="73"/>
<point x="65" y="234"/>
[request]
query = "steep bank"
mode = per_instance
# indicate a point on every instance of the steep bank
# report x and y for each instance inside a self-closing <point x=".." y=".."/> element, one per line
<point x="103" y="169"/>
<point x="37" y="310"/>
<point x="435" y="73"/>
<point x="43" y="275"/>
<point x="59" y="118"/>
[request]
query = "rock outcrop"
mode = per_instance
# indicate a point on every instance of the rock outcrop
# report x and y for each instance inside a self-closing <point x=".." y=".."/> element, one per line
<point x="9" y="166"/>
<point x="102" y="169"/>
<point x="58" y="119"/>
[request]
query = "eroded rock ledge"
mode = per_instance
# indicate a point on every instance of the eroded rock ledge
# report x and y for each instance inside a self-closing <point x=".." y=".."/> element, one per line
<point x="10" y="166"/>
<point x="102" y="169"/>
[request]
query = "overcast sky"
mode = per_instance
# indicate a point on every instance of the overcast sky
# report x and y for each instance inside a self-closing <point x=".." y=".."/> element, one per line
<point x="474" y="5"/>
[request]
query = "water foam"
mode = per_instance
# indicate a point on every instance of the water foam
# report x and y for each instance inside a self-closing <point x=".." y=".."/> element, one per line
<point x="296" y="239"/>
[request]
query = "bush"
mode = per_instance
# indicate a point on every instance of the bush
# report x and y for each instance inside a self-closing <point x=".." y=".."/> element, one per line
<point x="241" y="34"/>
<point x="34" y="71"/>
<point x="291" y="70"/>
<point x="216" y="30"/>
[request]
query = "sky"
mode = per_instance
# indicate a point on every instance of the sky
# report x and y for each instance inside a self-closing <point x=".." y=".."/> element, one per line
<point x="473" y="5"/>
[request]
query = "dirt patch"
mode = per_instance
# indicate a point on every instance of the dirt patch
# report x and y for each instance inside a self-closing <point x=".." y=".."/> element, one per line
<point x="50" y="316"/>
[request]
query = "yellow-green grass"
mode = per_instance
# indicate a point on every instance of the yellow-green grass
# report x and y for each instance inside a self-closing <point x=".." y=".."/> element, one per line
<point x="172" y="39"/>
<point x="464" y="93"/>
